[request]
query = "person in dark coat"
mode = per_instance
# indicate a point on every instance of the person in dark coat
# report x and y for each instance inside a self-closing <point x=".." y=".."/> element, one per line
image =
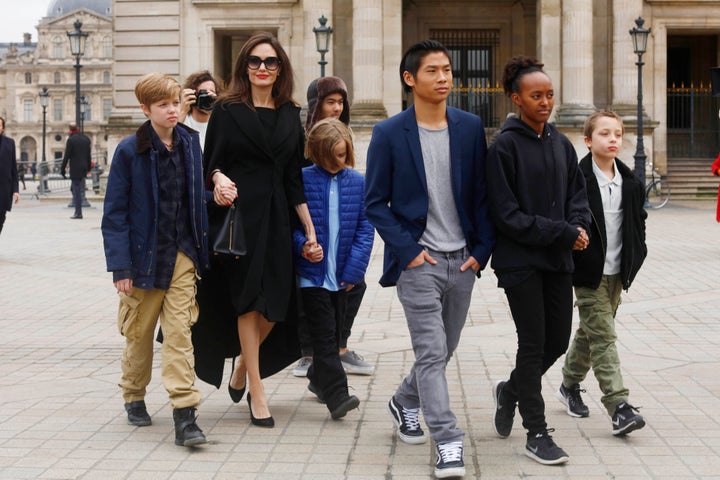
<point x="8" y="174"/>
<point x="253" y="153"/>
<point x="77" y="153"/>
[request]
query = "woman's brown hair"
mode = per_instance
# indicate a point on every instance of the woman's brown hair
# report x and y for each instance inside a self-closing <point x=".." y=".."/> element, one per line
<point x="239" y="90"/>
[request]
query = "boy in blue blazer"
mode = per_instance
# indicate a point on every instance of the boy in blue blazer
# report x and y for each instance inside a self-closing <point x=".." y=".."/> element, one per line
<point x="426" y="196"/>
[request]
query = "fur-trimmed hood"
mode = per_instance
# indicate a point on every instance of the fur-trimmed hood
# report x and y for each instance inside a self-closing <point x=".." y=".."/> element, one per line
<point x="316" y="93"/>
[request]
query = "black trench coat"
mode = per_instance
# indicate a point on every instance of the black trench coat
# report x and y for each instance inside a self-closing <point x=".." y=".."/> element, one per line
<point x="267" y="173"/>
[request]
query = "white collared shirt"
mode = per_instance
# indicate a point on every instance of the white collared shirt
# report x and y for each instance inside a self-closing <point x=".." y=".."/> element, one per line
<point x="611" y="194"/>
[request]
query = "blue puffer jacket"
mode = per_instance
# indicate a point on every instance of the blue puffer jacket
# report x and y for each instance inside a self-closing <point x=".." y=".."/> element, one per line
<point x="356" y="234"/>
<point x="129" y="223"/>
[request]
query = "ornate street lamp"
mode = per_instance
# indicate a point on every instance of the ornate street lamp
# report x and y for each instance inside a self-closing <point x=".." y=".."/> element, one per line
<point x="44" y="99"/>
<point x="77" y="49"/>
<point x="322" y="42"/>
<point x="640" y="37"/>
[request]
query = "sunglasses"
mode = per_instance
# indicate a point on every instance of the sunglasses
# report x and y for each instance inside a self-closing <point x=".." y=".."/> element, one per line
<point x="271" y="63"/>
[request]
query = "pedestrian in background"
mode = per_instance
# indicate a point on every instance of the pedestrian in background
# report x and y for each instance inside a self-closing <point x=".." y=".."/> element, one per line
<point x="198" y="96"/>
<point x="253" y="156"/>
<point x="327" y="97"/>
<point x="602" y="270"/>
<point x="335" y="194"/>
<point x="426" y="196"/>
<point x="715" y="168"/>
<point x="154" y="229"/>
<point x="8" y="174"/>
<point x="77" y="153"/>
<point x="539" y="206"/>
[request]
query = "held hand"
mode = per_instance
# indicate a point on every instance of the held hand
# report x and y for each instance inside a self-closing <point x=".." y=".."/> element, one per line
<point x="225" y="190"/>
<point x="348" y="286"/>
<point x="582" y="240"/>
<point x="124" y="286"/>
<point x="470" y="263"/>
<point x="312" y="252"/>
<point x="420" y="259"/>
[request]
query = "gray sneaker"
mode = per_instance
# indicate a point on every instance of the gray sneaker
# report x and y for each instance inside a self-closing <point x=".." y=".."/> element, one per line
<point x="302" y="367"/>
<point x="354" y="363"/>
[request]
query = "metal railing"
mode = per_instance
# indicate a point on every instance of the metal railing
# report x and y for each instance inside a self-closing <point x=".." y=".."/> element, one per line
<point x="693" y="129"/>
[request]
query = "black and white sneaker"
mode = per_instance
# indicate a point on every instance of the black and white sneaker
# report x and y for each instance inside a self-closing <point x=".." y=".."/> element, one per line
<point x="626" y="419"/>
<point x="541" y="448"/>
<point x="504" y="412"/>
<point x="408" y="422"/>
<point x="449" y="460"/>
<point x="571" y="398"/>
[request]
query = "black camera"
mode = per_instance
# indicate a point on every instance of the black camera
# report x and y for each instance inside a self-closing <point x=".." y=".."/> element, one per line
<point x="204" y="100"/>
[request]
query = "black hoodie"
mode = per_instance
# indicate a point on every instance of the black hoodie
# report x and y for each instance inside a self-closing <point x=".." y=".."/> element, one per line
<point x="537" y="200"/>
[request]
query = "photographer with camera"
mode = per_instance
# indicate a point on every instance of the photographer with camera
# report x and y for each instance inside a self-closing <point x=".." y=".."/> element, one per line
<point x="197" y="99"/>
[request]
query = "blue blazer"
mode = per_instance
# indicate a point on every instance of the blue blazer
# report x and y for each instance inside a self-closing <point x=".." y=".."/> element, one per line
<point x="396" y="198"/>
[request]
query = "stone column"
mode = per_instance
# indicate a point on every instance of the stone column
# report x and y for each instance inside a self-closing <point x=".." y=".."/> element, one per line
<point x="367" y="105"/>
<point x="624" y="70"/>
<point x="577" y="63"/>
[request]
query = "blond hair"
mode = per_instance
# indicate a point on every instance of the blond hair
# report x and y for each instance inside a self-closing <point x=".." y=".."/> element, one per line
<point x="321" y="141"/>
<point x="154" y="87"/>
<point x="591" y="121"/>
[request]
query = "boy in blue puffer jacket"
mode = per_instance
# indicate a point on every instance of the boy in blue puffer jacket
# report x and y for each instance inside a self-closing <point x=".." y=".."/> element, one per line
<point x="335" y="196"/>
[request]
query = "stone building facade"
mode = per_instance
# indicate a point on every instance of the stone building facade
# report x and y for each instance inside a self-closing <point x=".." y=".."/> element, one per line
<point x="585" y="45"/>
<point x="27" y="67"/>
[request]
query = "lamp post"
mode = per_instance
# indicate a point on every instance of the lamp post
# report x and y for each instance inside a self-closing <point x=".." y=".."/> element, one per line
<point x="83" y="107"/>
<point x="322" y="41"/>
<point x="77" y="49"/>
<point x="640" y="37"/>
<point x="44" y="99"/>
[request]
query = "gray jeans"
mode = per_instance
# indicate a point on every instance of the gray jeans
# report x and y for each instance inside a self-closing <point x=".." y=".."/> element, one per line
<point x="436" y="299"/>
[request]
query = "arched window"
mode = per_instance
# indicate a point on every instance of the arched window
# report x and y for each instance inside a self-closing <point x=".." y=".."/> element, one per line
<point x="56" y="77"/>
<point x="107" y="47"/>
<point x="28" y="78"/>
<point x="58" y="47"/>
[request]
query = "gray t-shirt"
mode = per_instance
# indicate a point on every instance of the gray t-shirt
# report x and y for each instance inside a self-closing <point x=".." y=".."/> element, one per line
<point x="443" y="231"/>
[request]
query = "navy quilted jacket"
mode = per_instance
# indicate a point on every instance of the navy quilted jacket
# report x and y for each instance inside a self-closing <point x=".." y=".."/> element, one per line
<point x="356" y="234"/>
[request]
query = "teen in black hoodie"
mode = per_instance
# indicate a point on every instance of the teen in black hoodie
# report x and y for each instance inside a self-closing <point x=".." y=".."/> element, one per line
<point x="540" y="209"/>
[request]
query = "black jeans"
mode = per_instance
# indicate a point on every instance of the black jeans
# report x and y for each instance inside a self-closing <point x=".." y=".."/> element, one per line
<point x="325" y="311"/>
<point x="541" y="307"/>
<point x="76" y="187"/>
<point x="355" y="297"/>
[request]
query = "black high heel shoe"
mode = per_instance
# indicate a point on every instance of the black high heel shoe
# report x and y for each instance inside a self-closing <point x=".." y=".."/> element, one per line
<point x="236" y="394"/>
<point x="267" y="422"/>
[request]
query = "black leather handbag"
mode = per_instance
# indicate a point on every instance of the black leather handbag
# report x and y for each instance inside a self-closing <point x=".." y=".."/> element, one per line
<point x="230" y="240"/>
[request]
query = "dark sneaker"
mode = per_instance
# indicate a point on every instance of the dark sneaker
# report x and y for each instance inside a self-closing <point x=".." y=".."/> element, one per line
<point x="137" y="414"/>
<point x="449" y="460"/>
<point x="345" y="406"/>
<point x="408" y="422"/>
<point x="571" y="398"/>
<point x="541" y="448"/>
<point x="317" y="392"/>
<point x="354" y="363"/>
<point x="187" y="433"/>
<point x="504" y="412"/>
<point x="302" y="366"/>
<point x="626" y="419"/>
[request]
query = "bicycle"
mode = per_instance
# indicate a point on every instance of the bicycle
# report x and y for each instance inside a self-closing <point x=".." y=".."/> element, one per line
<point x="657" y="190"/>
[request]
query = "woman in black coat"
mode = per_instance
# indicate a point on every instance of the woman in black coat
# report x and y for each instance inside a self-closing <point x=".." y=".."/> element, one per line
<point x="253" y="152"/>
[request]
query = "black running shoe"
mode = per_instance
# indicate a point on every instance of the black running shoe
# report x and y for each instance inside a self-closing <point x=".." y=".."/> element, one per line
<point x="504" y="412"/>
<point x="571" y="398"/>
<point x="626" y="419"/>
<point x="449" y="461"/>
<point x="541" y="448"/>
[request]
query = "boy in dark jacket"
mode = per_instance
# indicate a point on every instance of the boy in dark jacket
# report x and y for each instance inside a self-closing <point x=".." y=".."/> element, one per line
<point x="608" y="265"/>
<point x="154" y="229"/>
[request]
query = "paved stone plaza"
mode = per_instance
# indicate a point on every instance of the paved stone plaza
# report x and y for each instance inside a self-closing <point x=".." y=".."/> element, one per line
<point x="61" y="412"/>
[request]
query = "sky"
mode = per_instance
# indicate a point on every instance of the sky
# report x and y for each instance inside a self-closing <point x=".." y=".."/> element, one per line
<point x="20" y="16"/>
